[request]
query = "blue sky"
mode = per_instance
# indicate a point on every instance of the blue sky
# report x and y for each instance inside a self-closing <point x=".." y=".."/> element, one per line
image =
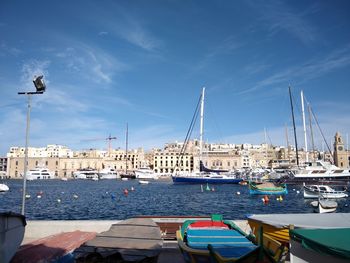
<point x="107" y="63"/>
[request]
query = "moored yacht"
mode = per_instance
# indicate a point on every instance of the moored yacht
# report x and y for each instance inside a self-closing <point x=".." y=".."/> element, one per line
<point x="85" y="174"/>
<point x="145" y="173"/>
<point x="319" y="171"/>
<point x="108" y="173"/>
<point x="39" y="173"/>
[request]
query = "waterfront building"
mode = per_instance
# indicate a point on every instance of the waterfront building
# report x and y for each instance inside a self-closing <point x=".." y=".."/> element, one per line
<point x="64" y="162"/>
<point x="3" y="167"/>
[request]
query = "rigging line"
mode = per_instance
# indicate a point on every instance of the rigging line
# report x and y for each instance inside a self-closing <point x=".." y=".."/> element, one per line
<point x="318" y="125"/>
<point x="189" y="132"/>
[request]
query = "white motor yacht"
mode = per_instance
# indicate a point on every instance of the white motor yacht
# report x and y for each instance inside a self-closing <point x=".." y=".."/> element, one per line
<point x="108" y="173"/>
<point x="39" y="174"/>
<point x="145" y="173"/>
<point x="85" y="174"/>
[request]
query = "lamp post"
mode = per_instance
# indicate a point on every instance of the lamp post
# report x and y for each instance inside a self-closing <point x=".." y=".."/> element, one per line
<point x="40" y="89"/>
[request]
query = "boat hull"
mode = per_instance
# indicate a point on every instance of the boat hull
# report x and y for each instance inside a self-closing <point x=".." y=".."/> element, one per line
<point x="12" y="228"/>
<point x="268" y="192"/>
<point x="203" y="180"/>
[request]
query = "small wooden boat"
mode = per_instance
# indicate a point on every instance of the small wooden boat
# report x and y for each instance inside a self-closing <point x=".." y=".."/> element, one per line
<point x="4" y="188"/>
<point x="267" y="188"/>
<point x="12" y="227"/>
<point x="325" y="191"/>
<point x="277" y="226"/>
<point x="324" y="206"/>
<point x="199" y="240"/>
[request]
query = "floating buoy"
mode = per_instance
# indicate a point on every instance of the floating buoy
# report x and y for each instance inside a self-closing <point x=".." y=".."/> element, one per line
<point x="293" y="189"/>
<point x="298" y="192"/>
<point x="346" y="205"/>
<point x="132" y="188"/>
<point x="58" y="200"/>
<point x="38" y="196"/>
<point x="27" y="196"/>
<point x="266" y="199"/>
<point x="201" y="188"/>
<point x="213" y="189"/>
<point x="113" y="196"/>
<point x="40" y="193"/>
<point x="207" y="188"/>
<point x="238" y="193"/>
<point x="126" y="192"/>
<point x="279" y="198"/>
<point x="75" y="196"/>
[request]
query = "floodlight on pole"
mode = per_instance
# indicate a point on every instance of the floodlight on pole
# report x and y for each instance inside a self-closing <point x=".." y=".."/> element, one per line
<point x="40" y="89"/>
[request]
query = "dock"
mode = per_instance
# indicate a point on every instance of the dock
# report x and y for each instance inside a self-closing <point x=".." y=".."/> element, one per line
<point x="42" y="237"/>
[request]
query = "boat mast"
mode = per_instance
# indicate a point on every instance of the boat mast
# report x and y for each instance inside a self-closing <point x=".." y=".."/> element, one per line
<point x="304" y="126"/>
<point x="126" y="149"/>
<point x="265" y="147"/>
<point x="312" y="133"/>
<point x="201" y="127"/>
<point x="295" y="130"/>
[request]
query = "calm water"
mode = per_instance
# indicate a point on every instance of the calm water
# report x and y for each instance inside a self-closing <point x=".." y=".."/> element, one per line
<point x="105" y="200"/>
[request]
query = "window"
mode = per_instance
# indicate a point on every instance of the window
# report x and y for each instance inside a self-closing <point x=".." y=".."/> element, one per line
<point x="16" y="162"/>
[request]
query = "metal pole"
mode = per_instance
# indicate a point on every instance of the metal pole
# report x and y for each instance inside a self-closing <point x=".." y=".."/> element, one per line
<point x="304" y="126"/>
<point x="26" y="155"/>
<point x="201" y="128"/>
<point x="295" y="131"/>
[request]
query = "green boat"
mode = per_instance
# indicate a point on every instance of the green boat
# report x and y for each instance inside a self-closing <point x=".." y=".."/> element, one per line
<point x="320" y="245"/>
<point x="267" y="188"/>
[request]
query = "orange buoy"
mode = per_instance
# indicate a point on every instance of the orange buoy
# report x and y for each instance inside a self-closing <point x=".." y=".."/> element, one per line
<point x="266" y="199"/>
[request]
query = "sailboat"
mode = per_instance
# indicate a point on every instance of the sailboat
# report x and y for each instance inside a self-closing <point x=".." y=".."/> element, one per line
<point x="205" y="175"/>
<point x="316" y="171"/>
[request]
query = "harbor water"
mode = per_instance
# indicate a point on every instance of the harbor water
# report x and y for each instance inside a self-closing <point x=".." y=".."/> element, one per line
<point x="105" y="199"/>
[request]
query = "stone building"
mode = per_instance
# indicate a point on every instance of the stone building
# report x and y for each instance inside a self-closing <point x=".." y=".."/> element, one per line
<point x="341" y="155"/>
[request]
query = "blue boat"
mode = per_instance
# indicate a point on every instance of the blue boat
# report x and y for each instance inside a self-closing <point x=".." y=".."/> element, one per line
<point x="214" y="240"/>
<point x="207" y="178"/>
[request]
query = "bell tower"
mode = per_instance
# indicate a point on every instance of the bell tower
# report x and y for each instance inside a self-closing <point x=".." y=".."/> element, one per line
<point x="340" y="154"/>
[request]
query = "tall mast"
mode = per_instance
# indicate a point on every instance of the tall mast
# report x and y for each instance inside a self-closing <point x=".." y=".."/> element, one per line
<point x="295" y="130"/>
<point x="304" y="125"/>
<point x="265" y="146"/>
<point x="201" y="127"/>
<point x="126" y="149"/>
<point x="312" y="133"/>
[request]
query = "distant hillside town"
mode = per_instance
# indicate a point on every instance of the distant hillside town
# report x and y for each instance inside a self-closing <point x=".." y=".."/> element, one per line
<point x="64" y="162"/>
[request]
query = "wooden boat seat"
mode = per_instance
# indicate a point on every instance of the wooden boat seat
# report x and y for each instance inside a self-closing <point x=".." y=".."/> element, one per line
<point x="274" y="250"/>
<point x="220" y="239"/>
